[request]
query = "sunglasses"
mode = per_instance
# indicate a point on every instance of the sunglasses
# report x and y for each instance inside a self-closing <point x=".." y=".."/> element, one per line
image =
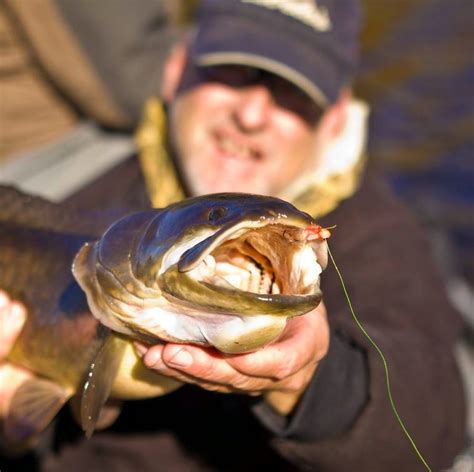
<point x="284" y="93"/>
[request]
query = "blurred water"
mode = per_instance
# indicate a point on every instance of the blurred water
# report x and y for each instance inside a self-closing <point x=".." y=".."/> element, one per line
<point x="418" y="75"/>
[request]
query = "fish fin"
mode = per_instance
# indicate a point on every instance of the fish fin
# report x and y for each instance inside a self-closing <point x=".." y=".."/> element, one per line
<point x="33" y="407"/>
<point x="107" y="416"/>
<point x="109" y="413"/>
<point x="99" y="381"/>
<point x="82" y="261"/>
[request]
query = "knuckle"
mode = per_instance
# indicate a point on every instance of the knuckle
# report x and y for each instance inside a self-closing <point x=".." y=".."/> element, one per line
<point x="240" y="384"/>
<point x="285" y="370"/>
<point x="207" y="371"/>
<point x="245" y="384"/>
<point x="244" y="364"/>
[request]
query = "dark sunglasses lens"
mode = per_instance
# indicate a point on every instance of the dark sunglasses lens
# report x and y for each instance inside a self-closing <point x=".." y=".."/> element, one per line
<point x="284" y="93"/>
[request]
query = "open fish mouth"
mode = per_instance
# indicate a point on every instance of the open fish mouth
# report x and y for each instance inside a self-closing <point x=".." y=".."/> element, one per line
<point x="247" y="268"/>
<point x="275" y="259"/>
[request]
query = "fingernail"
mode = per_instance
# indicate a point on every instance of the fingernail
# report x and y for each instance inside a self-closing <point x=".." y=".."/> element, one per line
<point x="153" y="360"/>
<point x="181" y="359"/>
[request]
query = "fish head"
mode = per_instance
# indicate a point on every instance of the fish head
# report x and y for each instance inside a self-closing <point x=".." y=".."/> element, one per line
<point x="199" y="265"/>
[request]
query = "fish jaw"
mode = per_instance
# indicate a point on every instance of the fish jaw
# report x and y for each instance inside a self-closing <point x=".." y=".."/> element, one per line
<point x="269" y="268"/>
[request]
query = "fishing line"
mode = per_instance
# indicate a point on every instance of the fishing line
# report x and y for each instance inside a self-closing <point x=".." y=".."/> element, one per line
<point x="385" y="365"/>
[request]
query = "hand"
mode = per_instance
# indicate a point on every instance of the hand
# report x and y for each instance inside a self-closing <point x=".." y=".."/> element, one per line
<point x="12" y="317"/>
<point x="280" y="371"/>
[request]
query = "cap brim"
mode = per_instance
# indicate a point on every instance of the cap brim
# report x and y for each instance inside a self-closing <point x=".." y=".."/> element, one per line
<point x="265" y="63"/>
<point x="241" y="41"/>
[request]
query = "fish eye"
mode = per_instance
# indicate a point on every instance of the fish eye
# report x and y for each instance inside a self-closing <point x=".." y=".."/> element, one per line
<point x="216" y="213"/>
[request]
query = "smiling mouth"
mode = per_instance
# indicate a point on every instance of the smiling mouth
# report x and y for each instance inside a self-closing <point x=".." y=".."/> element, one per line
<point x="273" y="260"/>
<point x="236" y="149"/>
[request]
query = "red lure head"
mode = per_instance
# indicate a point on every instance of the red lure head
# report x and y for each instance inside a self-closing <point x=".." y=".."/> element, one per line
<point x="317" y="232"/>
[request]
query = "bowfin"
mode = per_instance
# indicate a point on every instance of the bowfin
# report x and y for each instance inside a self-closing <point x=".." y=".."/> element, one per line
<point x="33" y="407"/>
<point x="99" y="381"/>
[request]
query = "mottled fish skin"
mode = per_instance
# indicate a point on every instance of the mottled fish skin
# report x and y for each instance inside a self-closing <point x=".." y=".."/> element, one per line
<point x="35" y="269"/>
<point x="38" y="242"/>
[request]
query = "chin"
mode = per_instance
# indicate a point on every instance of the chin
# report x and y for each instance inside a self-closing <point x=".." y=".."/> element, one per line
<point x="199" y="190"/>
<point x="202" y="184"/>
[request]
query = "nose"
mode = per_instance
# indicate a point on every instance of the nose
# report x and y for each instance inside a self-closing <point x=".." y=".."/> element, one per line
<point x="252" y="109"/>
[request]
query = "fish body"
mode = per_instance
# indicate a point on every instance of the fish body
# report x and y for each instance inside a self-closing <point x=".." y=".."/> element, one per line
<point x="224" y="270"/>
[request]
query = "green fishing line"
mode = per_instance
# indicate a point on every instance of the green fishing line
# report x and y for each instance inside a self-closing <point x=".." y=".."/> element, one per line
<point x="387" y="377"/>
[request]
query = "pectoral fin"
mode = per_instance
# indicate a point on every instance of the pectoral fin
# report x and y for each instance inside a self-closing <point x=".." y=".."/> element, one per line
<point x="99" y="381"/>
<point x="33" y="407"/>
<point x="108" y="414"/>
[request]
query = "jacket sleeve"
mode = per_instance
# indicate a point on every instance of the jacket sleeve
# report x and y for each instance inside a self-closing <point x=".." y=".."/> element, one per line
<point x="400" y="300"/>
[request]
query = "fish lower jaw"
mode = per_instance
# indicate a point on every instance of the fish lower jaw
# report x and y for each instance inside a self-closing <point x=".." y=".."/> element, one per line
<point x="227" y="333"/>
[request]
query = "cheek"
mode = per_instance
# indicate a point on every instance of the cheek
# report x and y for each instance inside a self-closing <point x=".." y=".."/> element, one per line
<point x="296" y="144"/>
<point x="194" y="114"/>
<point x="294" y="132"/>
<point x="184" y="113"/>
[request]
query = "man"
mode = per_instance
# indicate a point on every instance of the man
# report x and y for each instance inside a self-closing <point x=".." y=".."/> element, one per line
<point x="259" y="102"/>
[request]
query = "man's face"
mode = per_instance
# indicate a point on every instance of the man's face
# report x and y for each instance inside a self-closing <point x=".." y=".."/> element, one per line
<point x="243" y="130"/>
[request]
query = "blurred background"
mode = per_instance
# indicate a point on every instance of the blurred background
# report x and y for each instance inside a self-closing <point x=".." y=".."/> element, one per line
<point x="416" y="73"/>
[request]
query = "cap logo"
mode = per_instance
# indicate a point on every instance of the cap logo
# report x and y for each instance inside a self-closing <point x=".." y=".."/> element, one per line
<point x="306" y="11"/>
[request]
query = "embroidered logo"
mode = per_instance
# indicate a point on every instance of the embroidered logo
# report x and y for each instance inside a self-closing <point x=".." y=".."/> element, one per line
<point x="306" y="11"/>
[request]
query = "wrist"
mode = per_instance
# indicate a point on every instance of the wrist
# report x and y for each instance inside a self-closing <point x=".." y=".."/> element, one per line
<point x="331" y="402"/>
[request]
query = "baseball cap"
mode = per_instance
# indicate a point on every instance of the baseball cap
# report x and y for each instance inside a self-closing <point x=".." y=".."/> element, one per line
<point x="311" y="43"/>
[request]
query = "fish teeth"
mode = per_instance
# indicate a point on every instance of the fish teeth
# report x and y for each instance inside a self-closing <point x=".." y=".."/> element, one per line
<point x="210" y="263"/>
<point x="205" y="269"/>
<point x="305" y="269"/>
<point x="265" y="283"/>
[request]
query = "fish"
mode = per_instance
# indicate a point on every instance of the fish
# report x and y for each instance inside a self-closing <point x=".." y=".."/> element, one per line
<point x="225" y="271"/>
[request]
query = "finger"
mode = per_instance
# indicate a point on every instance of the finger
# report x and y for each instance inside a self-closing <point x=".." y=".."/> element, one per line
<point x="202" y="366"/>
<point x="209" y="370"/>
<point x="12" y="318"/>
